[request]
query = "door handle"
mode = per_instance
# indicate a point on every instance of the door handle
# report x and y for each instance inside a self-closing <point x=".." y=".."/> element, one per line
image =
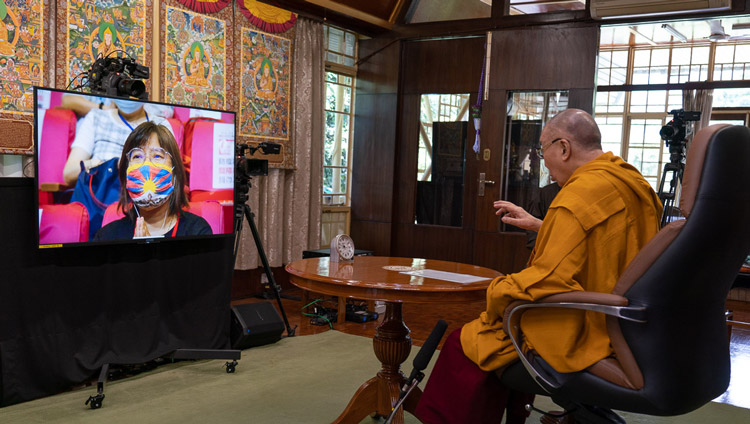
<point x="482" y="183"/>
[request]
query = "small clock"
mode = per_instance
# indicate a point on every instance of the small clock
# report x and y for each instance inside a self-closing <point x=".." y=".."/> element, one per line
<point x="342" y="249"/>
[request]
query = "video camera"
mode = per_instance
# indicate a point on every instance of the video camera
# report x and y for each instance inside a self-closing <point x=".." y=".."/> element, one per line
<point x="675" y="130"/>
<point x="674" y="134"/>
<point x="118" y="77"/>
<point x="245" y="168"/>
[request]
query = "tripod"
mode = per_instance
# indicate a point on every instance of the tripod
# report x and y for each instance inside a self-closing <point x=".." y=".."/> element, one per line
<point x="676" y="167"/>
<point x="242" y="210"/>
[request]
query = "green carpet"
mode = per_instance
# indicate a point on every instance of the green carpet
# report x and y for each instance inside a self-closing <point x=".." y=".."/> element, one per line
<point x="304" y="379"/>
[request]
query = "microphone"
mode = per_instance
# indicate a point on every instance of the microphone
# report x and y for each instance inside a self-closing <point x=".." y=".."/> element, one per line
<point x="420" y="363"/>
<point x="425" y="354"/>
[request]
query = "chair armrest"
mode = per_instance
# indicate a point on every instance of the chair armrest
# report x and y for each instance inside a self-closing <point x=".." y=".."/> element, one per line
<point x="606" y="303"/>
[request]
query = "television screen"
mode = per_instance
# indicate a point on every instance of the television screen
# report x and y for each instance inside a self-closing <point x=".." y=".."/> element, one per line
<point x="113" y="170"/>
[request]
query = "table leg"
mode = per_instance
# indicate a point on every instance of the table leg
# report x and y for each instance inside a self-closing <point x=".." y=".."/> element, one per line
<point x="392" y="345"/>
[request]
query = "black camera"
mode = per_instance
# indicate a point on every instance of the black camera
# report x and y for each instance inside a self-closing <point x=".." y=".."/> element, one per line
<point x="246" y="168"/>
<point x="118" y="77"/>
<point x="675" y="130"/>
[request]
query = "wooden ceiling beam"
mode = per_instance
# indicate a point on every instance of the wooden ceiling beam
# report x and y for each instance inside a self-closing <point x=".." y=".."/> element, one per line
<point x="319" y="13"/>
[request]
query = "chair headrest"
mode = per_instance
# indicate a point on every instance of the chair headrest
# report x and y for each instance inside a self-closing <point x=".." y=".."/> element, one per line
<point x="694" y="166"/>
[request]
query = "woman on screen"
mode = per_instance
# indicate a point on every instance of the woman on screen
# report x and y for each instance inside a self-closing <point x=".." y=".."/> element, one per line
<point x="152" y="194"/>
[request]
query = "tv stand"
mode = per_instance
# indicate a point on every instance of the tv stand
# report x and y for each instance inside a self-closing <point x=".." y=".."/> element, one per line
<point x="233" y="355"/>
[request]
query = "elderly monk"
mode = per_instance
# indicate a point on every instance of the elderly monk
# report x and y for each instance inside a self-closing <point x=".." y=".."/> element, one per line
<point x="603" y="215"/>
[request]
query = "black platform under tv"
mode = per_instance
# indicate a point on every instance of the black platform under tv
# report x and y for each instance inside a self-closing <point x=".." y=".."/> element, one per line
<point x="66" y="121"/>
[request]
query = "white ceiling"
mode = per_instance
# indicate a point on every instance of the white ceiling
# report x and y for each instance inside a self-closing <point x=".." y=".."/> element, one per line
<point x="693" y="30"/>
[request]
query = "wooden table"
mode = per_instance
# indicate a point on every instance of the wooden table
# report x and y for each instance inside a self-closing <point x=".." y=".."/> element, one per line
<point x="381" y="278"/>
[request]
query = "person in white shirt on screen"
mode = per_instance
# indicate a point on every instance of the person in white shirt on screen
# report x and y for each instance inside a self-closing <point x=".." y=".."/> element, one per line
<point x="102" y="133"/>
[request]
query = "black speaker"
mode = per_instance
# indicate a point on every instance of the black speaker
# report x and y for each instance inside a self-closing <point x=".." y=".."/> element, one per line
<point x="255" y="324"/>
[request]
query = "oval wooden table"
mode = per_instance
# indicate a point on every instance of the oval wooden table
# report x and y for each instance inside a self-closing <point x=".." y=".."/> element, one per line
<point x="381" y="278"/>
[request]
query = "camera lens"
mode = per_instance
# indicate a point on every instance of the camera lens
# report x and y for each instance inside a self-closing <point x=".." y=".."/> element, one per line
<point x="131" y="87"/>
<point x="667" y="132"/>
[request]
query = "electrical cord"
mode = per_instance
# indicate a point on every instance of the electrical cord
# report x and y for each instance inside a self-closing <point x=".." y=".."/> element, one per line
<point x="322" y="317"/>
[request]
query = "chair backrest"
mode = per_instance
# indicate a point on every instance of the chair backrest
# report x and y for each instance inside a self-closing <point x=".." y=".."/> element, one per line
<point x="682" y="276"/>
<point x="67" y="223"/>
<point x="212" y="212"/>
<point x="178" y="130"/>
<point x="56" y="134"/>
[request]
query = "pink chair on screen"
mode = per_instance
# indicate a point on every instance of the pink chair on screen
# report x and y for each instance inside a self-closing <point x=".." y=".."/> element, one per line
<point x="56" y="134"/>
<point x="210" y="210"/>
<point x="178" y="130"/>
<point x="199" y="151"/>
<point x="64" y="224"/>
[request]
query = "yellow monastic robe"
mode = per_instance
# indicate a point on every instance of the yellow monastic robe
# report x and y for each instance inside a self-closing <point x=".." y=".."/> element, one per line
<point x="604" y="214"/>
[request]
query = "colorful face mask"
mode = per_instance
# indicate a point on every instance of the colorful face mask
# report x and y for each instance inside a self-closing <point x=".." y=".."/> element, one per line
<point x="149" y="184"/>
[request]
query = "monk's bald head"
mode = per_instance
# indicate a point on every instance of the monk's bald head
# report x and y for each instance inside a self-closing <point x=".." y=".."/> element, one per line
<point x="576" y="126"/>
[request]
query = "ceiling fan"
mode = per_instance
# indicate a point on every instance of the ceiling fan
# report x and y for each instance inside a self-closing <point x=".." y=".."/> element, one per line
<point x="718" y="34"/>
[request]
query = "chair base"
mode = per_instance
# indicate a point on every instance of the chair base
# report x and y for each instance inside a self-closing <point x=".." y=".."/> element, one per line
<point x="583" y="414"/>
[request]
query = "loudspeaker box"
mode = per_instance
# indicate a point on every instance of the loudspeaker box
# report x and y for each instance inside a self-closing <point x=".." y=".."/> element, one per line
<point x="255" y="324"/>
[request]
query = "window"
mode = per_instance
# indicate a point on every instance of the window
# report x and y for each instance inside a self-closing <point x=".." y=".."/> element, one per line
<point x="341" y="53"/>
<point x="648" y="55"/>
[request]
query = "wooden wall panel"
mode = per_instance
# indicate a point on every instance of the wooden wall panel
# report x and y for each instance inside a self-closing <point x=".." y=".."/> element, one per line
<point x="378" y="72"/>
<point x="375" y="236"/>
<point x="374" y="157"/>
<point x="375" y="144"/>
<point x="406" y="160"/>
<point x="544" y="58"/>
<point x="443" y="66"/>
<point x="432" y="242"/>
<point x="505" y="252"/>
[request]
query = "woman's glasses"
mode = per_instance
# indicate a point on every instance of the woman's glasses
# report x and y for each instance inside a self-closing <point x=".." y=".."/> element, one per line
<point x="156" y="155"/>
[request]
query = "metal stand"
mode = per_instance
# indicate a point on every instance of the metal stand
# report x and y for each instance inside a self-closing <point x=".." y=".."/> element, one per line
<point x="676" y="167"/>
<point x="242" y="210"/>
<point x="95" y="402"/>
<point x="404" y="395"/>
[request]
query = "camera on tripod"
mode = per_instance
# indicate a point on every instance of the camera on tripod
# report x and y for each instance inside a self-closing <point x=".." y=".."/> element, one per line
<point x="118" y="77"/>
<point x="674" y="134"/>
<point x="245" y="168"/>
<point x="676" y="130"/>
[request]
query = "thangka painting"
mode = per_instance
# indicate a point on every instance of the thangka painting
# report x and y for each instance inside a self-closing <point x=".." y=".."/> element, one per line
<point x="101" y="29"/>
<point x="195" y="59"/>
<point x="264" y="86"/>
<point x="24" y="30"/>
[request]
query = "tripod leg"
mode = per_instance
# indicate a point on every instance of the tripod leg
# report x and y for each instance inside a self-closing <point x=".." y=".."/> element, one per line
<point x="266" y="267"/>
<point x="238" y="214"/>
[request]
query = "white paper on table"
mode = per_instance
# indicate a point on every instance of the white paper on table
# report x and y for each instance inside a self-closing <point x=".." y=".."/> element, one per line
<point x="447" y="276"/>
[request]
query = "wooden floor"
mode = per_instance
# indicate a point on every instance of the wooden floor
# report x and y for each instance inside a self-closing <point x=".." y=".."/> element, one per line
<point x="421" y="319"/>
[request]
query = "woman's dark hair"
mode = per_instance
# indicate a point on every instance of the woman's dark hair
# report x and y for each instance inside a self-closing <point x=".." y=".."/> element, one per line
<point x="139" y="138"/>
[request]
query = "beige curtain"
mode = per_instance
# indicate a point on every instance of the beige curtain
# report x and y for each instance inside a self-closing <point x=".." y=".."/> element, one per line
<point x="286" y="203"/>
<point x="698" y="101"/>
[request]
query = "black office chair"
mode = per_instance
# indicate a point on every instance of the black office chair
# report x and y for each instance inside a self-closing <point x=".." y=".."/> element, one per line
<point x="666" y="315"/>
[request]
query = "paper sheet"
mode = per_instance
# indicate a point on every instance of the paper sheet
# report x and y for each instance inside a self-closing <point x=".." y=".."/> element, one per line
<point x="447" y="276"/>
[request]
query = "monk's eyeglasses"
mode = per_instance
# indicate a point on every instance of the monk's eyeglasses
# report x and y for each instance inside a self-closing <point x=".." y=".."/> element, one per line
<point x="540" y="149"/>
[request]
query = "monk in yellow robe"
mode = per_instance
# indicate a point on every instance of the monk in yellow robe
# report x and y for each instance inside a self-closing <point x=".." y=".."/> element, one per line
<point x="603" y="215"/>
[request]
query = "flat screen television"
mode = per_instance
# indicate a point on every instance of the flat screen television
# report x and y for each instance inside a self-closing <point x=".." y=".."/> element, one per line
<point x="107" y="172"/>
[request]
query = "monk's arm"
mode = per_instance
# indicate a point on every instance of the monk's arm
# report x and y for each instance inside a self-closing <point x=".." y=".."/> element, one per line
<point x="560" y="254"/>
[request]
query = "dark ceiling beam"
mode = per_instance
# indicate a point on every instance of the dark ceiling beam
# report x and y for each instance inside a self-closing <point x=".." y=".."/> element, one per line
<point x="580" y="17"/>
<point x="466" y="27"/>
<point x="318" y="13"/>
<point x="403" y="8"/>
<point x="480" y="26"/>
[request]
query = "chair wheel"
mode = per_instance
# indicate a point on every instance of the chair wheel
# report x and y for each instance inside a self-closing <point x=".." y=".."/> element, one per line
<point x="231" y="366"/>
<point x="95" y="402"/>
